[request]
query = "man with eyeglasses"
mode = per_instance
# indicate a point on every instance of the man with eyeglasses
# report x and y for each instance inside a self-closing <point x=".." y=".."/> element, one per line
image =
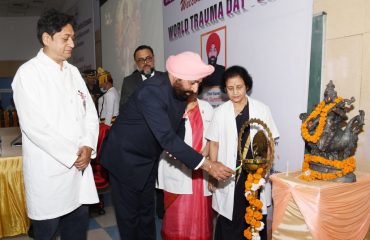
<point x="144" y="59"/>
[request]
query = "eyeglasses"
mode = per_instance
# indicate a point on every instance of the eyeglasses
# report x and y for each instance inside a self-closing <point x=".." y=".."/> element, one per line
<point x="148" y="59"/>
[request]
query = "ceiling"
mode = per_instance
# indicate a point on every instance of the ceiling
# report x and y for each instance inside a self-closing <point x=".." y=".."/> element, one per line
<point x="23" y="8"/>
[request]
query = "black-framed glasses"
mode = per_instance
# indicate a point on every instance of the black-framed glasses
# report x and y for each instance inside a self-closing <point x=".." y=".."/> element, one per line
<point x="148" y="59"/>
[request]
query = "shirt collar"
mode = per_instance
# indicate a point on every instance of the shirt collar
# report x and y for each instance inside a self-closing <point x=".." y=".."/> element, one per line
<point x="145" y="78"/>
<point x="47" y="60"/>
<point x="110" y="89"/>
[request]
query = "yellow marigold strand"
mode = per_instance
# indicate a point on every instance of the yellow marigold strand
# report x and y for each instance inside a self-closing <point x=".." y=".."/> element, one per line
<point x="252" y="217"/>
<point x="321" y="109"/>
<point x="347" y="165"/>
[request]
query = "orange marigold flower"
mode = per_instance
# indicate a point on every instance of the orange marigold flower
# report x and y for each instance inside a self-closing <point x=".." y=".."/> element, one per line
<point x="258" y="224"/>
<point x="248" y="219"/>
<point x="249" y="197"/>
<point x="346" y="166"/>
<point x="320" y="111"/>
<point x="250" y="177"/>
<point x="247" y="233"/>
<point x="253" y="222"/>
<point x="257" y="215"/>
<point x="257" y="176"/>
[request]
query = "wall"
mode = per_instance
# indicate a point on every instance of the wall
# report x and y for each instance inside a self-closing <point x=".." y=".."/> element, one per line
<point x="272" y="40"/>
<point x="347" y="59"/>
<point x="18" y="39"/>
<point x="126" y="24"/>
<point x="18" y="43"/>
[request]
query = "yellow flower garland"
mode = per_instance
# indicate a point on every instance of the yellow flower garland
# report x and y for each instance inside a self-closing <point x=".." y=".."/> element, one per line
<point x="347" y="165"/>
<point x="253" y="214"/>
<point x="321" y="109"/>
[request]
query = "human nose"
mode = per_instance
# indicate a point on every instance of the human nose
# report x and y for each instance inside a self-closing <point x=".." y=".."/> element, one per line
<point x="194" y="87"/>
<point x="71" y="42"/>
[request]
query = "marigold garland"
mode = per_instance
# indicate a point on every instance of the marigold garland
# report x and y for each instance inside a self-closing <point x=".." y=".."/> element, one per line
<point x="321" y="110"/>
<point x="347" y="165"/>
<point x="253" y="213"/>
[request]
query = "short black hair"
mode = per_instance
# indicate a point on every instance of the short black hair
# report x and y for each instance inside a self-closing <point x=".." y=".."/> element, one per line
<point x="52" y="22"/>
<point x="142" y="47"/>
<point x="237" y="71"/>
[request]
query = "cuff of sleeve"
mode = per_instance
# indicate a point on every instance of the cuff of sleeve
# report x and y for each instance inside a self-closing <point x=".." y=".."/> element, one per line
<point x="200" y="164"/>
<point x="85" y="142"/>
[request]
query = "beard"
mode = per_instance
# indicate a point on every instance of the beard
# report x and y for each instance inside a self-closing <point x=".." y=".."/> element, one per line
<point x="147" y="71"/>
<point x="180" y="93"/>
<point x="212" y="60"/>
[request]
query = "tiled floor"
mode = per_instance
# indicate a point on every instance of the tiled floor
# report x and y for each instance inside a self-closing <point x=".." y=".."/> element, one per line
<point x="103" y="227"/>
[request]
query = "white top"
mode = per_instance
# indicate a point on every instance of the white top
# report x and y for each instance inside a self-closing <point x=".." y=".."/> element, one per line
<point x="224" y="131"/>
<point x="57" y="116"/>
<point x="173" y="175"/>
<point x="108" y="105"/>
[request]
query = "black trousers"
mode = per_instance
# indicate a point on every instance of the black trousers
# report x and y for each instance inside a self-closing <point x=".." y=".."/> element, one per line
<point x="72" y="226"/>
<point x="134" y="210"/>
<point x="159" y="203"/>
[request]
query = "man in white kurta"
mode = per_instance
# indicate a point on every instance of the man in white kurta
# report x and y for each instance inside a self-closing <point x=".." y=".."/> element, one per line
<point x="59" y="133"/>
<point x="108" y="109"/>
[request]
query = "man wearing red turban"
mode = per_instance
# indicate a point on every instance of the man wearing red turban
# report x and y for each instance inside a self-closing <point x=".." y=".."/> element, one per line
<point x="212" y="84"/>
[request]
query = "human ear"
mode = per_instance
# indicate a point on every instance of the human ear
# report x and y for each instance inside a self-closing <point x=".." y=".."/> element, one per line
<point x="46" y="38"/>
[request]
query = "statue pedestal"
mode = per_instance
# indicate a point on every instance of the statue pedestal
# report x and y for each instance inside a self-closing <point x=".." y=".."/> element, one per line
<point x="320" y="209"/>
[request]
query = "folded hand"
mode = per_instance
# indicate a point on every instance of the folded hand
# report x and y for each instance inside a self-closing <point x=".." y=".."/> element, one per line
<point x="84" y="158"/>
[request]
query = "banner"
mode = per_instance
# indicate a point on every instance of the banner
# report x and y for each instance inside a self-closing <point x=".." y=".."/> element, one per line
<point x="83" y="55"/>
<point x="270" y="38"/>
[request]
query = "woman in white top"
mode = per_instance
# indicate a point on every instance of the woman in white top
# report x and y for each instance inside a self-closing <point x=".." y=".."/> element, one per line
<point x="228" y="198"/>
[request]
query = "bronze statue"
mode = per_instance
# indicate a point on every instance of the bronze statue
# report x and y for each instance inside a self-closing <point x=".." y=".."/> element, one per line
<point x="331" y="140"/>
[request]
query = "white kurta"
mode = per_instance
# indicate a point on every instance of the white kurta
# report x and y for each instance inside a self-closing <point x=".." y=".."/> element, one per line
<point x="108" y="105"/>
<point x="57" y="116"/>
<point x="223" y="130"/>
<point x="173" y="175"/>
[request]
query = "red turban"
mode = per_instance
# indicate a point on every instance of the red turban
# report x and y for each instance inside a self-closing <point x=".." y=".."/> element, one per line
<point x="213" y="39"/>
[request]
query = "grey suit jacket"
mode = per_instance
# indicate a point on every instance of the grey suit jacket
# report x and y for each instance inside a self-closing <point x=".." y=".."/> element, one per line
<point x="129" y="85"/>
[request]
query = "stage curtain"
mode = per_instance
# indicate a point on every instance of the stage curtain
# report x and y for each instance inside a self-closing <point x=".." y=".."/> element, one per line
<point x="320" y="210"/>
<point x="13" y="215"/>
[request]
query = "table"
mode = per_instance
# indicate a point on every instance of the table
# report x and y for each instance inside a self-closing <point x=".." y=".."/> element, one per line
<point x="13" y="213"/>
<point x="320" y="209"/>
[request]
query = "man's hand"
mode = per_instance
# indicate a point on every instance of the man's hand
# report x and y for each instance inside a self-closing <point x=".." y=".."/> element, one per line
<point x="217" y="170"/>
<point x="84" y="157"/>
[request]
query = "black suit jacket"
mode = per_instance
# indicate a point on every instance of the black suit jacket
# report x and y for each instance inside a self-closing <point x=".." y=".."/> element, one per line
<point x="129" y="84"/>
<point x="215" y="79"/>
<point x="146" y="127"/>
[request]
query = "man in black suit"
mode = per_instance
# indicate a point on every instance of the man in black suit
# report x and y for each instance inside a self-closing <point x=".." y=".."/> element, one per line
<point x="147" y="126"/>
<point x="145" y="68"/>
<point x="144" y="59"/>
